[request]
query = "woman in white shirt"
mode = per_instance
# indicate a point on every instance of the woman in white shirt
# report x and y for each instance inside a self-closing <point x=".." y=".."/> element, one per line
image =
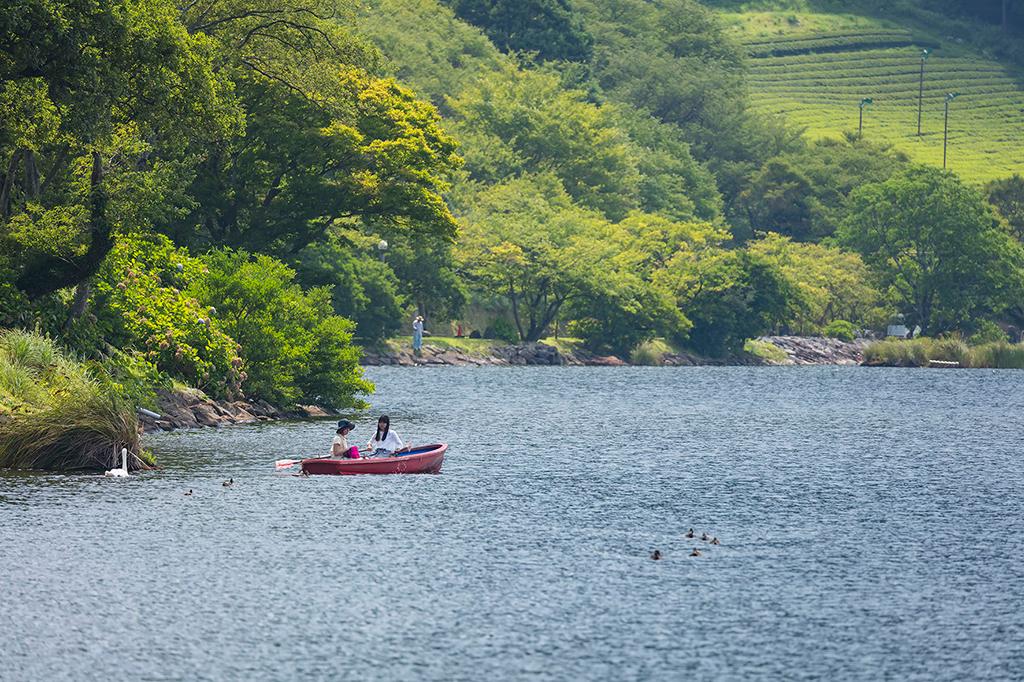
<point x="385" y="442"/>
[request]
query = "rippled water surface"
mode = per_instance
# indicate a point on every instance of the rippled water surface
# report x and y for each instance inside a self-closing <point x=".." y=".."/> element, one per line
<point x="872" y="526"/>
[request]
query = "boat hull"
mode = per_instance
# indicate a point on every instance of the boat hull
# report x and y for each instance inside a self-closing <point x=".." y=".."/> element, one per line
<point x="423" y="459"/>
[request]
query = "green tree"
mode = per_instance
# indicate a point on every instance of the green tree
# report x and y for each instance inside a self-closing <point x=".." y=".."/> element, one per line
<point x="356" y="147"/>
<point x="936" y="244"/>
<point x="1007" y="195"/>
<point x="802" y="192"/>
<point x="103" y="105"/>
<point x="544" y="127"/>
<point x="829" y="284"/>
<point x="548" y="27"/>
<point x="363" y="289"/>
<point x="293" y="346"/>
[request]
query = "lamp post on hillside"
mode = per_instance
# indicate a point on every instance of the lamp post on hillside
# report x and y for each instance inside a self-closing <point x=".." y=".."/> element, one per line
<point x="950" y="96"/>
<point x="382" y="247"/>
<point x="920" y="88"/>
<point x="860" y="123"/>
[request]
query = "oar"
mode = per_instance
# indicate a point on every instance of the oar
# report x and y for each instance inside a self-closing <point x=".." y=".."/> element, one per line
<point x="288" y="463"/>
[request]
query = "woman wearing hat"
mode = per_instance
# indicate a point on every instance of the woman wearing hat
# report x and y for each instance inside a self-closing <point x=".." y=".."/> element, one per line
<point x="340" y="448"/>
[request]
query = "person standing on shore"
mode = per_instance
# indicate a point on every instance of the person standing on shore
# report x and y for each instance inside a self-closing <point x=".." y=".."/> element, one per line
<point x="417" y="334"/>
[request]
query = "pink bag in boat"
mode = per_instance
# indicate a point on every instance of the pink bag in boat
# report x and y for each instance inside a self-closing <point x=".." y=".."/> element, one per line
<point x="353" y="453"/>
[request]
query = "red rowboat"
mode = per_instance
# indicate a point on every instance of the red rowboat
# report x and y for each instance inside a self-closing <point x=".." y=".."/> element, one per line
<point x="422" y="459"/>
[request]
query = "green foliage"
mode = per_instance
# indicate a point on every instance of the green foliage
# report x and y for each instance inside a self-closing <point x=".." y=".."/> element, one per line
<point x="828" y="283"/>
<point x="356" y="146"/>
<point x="987" y="331"/>
<point x="1007" y="196"/>
<point x="936" y="245"/>
<point x="536" y="125"/>
<point x="802" y="193"/>
<point x="547" y="27"/>
<point x="294" y="347"/>
<point x="730" y="296"/>
<point x="363" y="289"/>
<point x="144" y="299"/>
<point x="502" y="330"/>
<point x="673" y="60"/>
<point x="919" y="352"/>
<point x="54" y="413"/>
<point x="101" y="106"/>
<point x="840" y="329"/>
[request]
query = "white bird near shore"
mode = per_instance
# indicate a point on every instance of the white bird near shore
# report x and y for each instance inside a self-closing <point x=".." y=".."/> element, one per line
<point x="123" y="471"/>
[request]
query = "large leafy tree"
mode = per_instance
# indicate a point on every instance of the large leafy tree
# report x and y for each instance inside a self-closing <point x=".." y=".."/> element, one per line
<point x="936" y="244"/>
<point x="802" y="193"/>
<point x="527" y="241"/>
<point x="829" y="283"/>
<point x="103" y="106"/>
<point x="1007" y="195"/>
<point x="516" y="121"/>
<point x="549" y="28"/>
<point x="355" y="147"/>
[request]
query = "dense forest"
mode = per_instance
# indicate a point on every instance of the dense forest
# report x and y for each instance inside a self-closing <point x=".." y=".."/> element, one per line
<point x="233" y="194"/>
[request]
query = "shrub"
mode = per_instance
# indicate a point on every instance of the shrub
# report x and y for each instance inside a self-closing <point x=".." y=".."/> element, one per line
<point x="293" y="346"/>
<point x="502" y="330"/>
<point x="649" y="353"/>
<point x="143" y="301"/>
<point x="899" y="352"/>
<point x="1002" y="355"/>
<point x="55" y="413"/>
<point x="840" y="329"/>
<point x="987" y="331"/>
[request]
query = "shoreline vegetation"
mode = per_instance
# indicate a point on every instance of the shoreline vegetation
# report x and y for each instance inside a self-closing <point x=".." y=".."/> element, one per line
<point x="60" y="414"/>
<point x="57" y="413"/>
<point x="927" y="352"/>
<point x="223" y="212"/>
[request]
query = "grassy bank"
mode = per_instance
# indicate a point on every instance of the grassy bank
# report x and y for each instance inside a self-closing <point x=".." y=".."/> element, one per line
<point x="57" y="413"/>
<point x="921" y="351"/>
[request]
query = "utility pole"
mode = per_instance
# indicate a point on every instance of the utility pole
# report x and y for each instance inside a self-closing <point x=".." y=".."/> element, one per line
<point x="860" y="123"/>
<point x="950" y="96"/>
<point x="920" y="88"/>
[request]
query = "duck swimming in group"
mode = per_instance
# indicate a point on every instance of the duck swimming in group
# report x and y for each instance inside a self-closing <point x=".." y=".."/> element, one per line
<point x="696" y="552"/>
<point x="228" y="483"/>
<point x="690" y="534"/>
<point x="714" y="541"/>
<point x="656" y="554"/>
<point x="704" y="537"/>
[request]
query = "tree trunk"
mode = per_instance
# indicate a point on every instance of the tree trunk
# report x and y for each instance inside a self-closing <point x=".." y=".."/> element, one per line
<point x="51" y="273"/>
<point x="8" y="185"/>
<point x="79" y="305"/>
<point x="31" y="176"/>
<point x="515" y="311"/>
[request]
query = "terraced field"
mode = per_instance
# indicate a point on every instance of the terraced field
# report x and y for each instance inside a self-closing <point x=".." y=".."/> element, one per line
<point x="815" y="69"/>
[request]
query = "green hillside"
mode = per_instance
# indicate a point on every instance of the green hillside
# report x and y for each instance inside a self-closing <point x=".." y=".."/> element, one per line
<point x="815" y="69"/>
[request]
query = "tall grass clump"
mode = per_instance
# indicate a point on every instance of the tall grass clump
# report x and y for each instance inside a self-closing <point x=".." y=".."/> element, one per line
<point x="899" y="352"/>
<point x="919" y="352"/>
<point x="55" y="414"/>
<point x="999" y="355"/>
<point x="648" y="353"/>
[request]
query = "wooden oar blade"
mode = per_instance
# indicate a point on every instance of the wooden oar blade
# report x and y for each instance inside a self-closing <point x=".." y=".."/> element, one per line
<point x="285" y="463"/>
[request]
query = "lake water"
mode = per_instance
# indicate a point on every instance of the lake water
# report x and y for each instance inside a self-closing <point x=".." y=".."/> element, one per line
<point x="871" y="520"/>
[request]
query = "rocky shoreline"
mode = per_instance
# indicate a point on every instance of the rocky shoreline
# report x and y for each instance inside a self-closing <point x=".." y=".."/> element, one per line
<point x="191" y="408"/>
<point x="798" y="350"/>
